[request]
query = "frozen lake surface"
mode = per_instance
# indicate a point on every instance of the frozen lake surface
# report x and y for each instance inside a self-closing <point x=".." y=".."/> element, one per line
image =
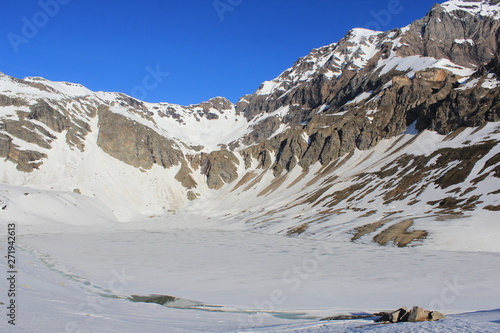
<point x="251" y="279"/>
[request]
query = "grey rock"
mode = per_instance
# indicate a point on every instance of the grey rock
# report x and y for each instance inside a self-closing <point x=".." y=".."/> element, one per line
<point x="191" y="196"/>
<point x="134" y="143"/>
<point x="49" y="115"/>
<point x="398" y="315"/>
<point x="184" y="177"/>
<point x="220" y="167"/>
<point x="436" y="315"/>
<point x="418" y="314"/>
<point x="331" y="148"/>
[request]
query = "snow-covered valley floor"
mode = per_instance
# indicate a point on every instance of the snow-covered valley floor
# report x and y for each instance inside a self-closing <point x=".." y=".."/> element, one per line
<point x="82" y="278"/>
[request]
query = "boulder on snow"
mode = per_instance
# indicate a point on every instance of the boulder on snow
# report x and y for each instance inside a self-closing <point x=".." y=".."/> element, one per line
<point x="418" y="314"/>
<point x="399" y="315"/>
<point x="436" y="315"/>
<point x="414" y="315"/>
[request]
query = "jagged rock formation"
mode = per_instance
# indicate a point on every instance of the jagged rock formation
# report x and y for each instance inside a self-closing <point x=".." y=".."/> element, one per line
<point x="298" y="131"/>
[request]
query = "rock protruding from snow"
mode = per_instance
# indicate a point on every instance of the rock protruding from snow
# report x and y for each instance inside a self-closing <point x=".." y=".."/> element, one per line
<point x="414" y="315"/>
<point x="135" y="144"/>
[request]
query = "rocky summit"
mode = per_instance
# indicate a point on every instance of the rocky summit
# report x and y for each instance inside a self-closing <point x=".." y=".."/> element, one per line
<point x="382" y="137"/>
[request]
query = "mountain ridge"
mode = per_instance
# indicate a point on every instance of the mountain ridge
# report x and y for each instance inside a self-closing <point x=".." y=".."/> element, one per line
<point x="332" y="143"/>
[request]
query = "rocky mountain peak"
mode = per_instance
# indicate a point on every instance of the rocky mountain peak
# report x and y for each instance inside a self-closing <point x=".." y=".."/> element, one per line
<point x="220" y="104"/>
<point x="459" y="31"/>
<point x="456" y="36"/>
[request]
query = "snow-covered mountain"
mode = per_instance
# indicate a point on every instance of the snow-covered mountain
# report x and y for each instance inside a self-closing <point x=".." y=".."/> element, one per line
<point x="370" y="139"/>
<point x="381" y="141"/>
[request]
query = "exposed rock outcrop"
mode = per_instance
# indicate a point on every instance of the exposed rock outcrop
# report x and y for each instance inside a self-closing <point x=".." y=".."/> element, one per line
<point x="414" y="315"/>
<point x="184" y="177"/>
<point x="134" y="143"/>
<point x="220" y="167"/>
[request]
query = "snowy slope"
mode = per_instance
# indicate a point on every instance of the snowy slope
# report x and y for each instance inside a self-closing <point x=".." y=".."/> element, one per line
<point x="189" y="125"/>
<point x="132" y="192"/>
<point x="318" y="195"/>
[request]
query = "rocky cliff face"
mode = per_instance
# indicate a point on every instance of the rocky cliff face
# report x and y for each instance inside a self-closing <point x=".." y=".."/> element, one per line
<point x="133" y="143"/>
<point x="457" y="34"/>
<point x="367" y="87"/>
<point x="438" y="74"/>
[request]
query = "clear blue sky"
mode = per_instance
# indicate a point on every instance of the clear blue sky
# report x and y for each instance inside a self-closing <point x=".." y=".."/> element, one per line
<point x="208" y="48"/>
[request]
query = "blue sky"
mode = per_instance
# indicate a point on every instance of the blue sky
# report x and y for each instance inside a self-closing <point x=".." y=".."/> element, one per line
<point x="182" y="51"/>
